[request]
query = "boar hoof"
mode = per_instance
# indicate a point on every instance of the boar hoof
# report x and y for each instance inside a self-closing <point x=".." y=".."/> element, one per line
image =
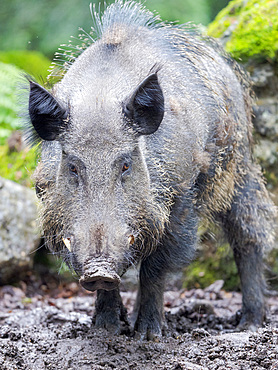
<point x="110" y="311"/>
<point x="109" y="322"/>
<point x="247" y="324"/>
<point x="154" y="337"/>
<point x="147" y="331"/>
<point x="112" y="320"/>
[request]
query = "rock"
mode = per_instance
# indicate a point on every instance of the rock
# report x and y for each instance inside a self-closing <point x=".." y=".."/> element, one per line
<point x="202" y="307"/>
<point x="247" y="29"/>
<point x="265" y="84"/>
<point x="19" y="235"/>
<point x="215" y="287"/>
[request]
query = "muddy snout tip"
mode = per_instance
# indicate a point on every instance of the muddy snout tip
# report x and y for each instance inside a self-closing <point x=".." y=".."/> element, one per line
<point x="100" y="280"/>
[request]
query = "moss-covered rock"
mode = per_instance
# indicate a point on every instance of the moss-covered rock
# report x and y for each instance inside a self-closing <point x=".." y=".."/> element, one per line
<point x="248" y="28"/>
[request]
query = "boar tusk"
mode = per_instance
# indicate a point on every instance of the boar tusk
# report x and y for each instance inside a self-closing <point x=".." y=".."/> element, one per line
<point x="131" y="239"/>
<point x="67" y="243"/>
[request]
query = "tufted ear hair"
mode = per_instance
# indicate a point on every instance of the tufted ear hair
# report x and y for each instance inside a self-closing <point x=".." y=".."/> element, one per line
<point x="144" y="109"/>
<point x="47" y="116"/>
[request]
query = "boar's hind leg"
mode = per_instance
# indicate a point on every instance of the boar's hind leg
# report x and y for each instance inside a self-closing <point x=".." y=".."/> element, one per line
<point x="149" y="304"/>
<point x="249" y="228"/>
<point x="110" y="311"/>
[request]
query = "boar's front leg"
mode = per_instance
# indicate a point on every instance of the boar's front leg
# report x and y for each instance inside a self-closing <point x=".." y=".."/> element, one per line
<point x="110" y="311"/>
<point x="174" y="252"/>
<point x="249" y="228"/>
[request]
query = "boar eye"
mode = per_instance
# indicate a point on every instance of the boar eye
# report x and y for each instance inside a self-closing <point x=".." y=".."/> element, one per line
<point x="73" y="169"/>
<point x="125" y="167"/>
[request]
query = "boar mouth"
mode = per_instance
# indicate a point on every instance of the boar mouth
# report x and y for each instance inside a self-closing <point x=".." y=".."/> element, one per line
<point x="99" y="278"/>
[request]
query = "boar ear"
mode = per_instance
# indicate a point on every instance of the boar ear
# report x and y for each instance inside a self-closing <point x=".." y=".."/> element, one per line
<point x="46" y="114"/>
<point x="145" y="108"/>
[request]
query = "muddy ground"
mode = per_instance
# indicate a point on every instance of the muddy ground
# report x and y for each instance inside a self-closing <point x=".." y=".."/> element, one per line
<point x="46" y="324"/>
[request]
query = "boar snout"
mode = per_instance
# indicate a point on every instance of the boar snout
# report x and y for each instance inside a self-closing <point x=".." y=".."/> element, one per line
<point x="99" y="275"/>
<point x="99" y="282"/>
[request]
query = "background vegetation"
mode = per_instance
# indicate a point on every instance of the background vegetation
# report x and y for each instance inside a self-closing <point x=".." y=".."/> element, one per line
<point x="44" y="25"/>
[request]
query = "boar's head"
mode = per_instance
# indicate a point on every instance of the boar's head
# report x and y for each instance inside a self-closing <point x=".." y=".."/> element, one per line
<point x="100" y="208"/>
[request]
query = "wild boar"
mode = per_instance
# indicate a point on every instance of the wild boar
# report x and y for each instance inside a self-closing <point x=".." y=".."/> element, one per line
<point x="148" y="130"/>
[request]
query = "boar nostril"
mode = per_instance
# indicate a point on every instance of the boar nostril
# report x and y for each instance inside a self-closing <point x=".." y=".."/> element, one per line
<point x="97" y="277"/>
<point x="98" y="283"/>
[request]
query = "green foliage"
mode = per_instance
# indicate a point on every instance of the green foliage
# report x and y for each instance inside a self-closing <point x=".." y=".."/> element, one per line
<point x="33" y="63"/>
<point x="46" y="263"/>
<point x="18" y="166"/>
<point x="213" y="264"/>
<point x="254" y="27"/>
<point x="182" y="11"/>
<point x="15" y="166"/>
<point x="9" y="77"/>
<point x="44" y="25"/>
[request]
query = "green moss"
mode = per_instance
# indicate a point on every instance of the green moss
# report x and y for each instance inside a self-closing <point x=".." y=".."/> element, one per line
<point x="32" y="62"/>
<point x="213" y="264"/>
<point x="254" y="28"/>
